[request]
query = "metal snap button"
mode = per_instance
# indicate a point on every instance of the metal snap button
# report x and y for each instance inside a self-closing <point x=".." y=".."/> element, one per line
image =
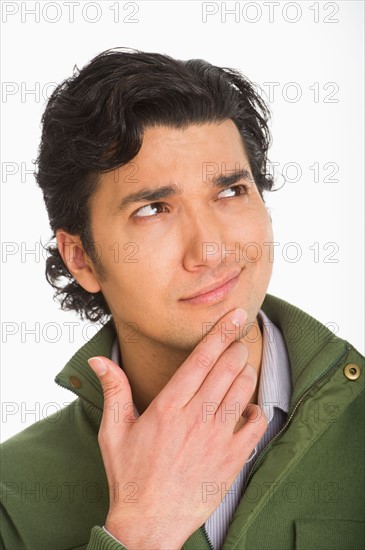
<point x="352" y="371"/>
<point x="75" y="382"/>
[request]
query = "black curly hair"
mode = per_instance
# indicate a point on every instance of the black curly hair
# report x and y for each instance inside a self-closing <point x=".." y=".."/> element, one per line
<point x="94" y="122"/>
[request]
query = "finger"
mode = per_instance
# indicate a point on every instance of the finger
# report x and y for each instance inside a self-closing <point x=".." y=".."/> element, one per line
<point x="224" y="373"/>
<point x="235" y="402"/>
<point x="193" y="371"/>
<point x="118" y="411"/>
<point x="252" y="431"/>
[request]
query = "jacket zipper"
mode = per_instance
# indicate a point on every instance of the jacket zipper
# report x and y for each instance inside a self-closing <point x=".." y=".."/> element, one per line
<point x="304" y="395"/>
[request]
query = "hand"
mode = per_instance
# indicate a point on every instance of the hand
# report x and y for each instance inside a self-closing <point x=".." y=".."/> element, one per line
<point x="159" y="465"/>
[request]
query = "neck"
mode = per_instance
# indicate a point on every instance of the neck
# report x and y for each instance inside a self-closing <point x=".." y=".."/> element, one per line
<point x="150" y="364"/>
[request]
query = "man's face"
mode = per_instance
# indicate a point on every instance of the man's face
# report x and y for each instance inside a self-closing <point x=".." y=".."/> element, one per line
<point x="159" y="251"/>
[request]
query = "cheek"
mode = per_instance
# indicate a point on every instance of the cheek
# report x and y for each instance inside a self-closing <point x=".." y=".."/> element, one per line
<point x="253" y="252"/>
<point x="141" y="270"/>
<point x="256" y="241"/>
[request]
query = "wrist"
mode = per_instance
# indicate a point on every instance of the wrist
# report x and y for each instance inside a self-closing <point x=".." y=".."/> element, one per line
<point x="133" y="537"/>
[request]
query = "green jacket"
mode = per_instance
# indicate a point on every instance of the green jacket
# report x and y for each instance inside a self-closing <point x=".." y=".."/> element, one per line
<point x="305" y="490"/>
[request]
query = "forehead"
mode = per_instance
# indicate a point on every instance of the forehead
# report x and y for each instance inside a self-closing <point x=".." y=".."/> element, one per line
<point x="185" y="157"/>
<point x="198" y="139"/>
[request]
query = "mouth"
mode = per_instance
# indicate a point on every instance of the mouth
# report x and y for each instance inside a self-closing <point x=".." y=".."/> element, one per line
<point x="215" y="292"/>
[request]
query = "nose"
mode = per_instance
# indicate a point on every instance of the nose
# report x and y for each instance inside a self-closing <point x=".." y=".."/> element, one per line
<point x="203" y="239"/>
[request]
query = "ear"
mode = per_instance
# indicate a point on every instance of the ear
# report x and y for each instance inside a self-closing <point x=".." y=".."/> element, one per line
<point x="77" y="261"/>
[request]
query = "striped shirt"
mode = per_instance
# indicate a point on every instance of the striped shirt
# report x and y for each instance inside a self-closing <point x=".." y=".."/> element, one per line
<point x="273" y="397"/>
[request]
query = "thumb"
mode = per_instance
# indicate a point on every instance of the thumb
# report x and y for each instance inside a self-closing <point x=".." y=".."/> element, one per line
<point x="118" y="400"/>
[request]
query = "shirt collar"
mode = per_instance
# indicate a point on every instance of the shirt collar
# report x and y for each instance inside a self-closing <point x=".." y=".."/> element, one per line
<point x="275" y="386"/>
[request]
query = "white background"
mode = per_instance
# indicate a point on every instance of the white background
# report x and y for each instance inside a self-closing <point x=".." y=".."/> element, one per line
<point x="324" y="125"/>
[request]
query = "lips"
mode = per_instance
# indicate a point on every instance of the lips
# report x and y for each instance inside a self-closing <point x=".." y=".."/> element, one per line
<point x="213" y="286"/>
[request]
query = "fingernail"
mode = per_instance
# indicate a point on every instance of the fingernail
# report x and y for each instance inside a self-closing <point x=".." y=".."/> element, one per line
<point x="238" y="317"/>
<point x="98" y="365"/>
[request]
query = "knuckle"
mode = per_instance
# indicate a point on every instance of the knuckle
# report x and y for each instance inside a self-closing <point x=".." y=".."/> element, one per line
<point x="238" y="352"/>
<point x="241" y="347"/>
<point x="254" y="437"/>
<point x="202" y="360"/>
<point x="247" y="382"/>
<point x="164" y="408"/>
<point x="229" y="366"/>
<point x="244" y="351"/>
<point x="241" y="386"/>
<point x="250" y="372"/>
<point x="193" y="427"/>
<point x="110" y="389"/>
<point x="229" y="459"/>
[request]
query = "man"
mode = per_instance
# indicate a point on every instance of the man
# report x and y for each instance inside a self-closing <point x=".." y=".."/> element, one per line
<point x="214" y="415"/>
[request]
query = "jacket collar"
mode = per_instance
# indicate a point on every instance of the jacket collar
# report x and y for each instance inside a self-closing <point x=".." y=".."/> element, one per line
<point x="77" y="375"/>
<point x="308" y="342"/>
<point x="312" y="348"/>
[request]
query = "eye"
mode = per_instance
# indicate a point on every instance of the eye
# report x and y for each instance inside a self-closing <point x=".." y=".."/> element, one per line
<point x="149" y="210"/>
<point x="234" y="191"/>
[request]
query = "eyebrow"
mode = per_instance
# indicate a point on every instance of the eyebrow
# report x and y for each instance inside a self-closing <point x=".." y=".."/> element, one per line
<point x="220" y="181"/>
